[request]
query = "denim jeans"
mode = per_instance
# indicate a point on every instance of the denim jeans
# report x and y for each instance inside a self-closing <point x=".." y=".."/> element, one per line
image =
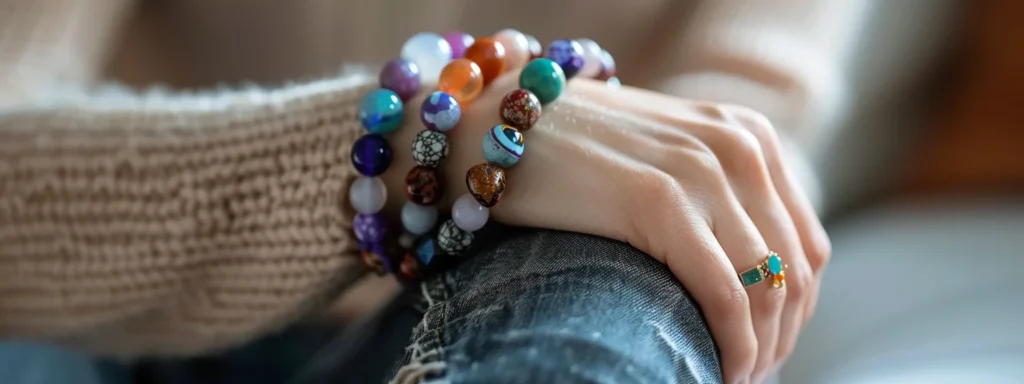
<point x="527" y="306"/>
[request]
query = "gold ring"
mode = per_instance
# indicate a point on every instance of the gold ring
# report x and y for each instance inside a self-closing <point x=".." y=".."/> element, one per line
<point x="770" y="268"/>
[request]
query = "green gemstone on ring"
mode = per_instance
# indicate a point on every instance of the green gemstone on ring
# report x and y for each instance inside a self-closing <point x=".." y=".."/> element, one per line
<point x="751" y="277"/>
<point x="774" y="264"/>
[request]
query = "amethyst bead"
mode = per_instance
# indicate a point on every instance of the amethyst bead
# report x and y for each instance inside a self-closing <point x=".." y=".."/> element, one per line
<point x="402" y="77"/>
<point x="440" y="112"/>
<point x="568" y="54"/>
<point x="370" y="228"/>
<point x="371" y="155"/>
<point x="459" y="41"/>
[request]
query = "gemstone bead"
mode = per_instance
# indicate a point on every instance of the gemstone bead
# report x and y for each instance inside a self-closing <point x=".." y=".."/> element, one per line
<point x="774" y="264"/>
<point x="517" y="47"/>
<point x="607" y="66"/>
<point x="426" y="250"/>
<point x="369" y="227"/>
<point x="489" y="55"/>
<point x="430" y="52"/>
<point x="371" y="155"/>
<point x="452" y="239"/>
<point x="402" y="77"/>
<point x="486" y="182"/>
<point x="462" y="79"/>
<point x="409" y="269"/>
<point x="536" y="50"/>
<point x="376" y="262"/>
<point x="521" y="109"/>
<point x="458" y="41"/>
<point x="381" y="111"/>
<point x="468" y="214"/>
<point x="503" y="145"/>
<point x="440" y="112"/>
<point x="591" y="58"/>
<point x="367" y="194"/>
<point x="568" y="54"/>
<point x="544" y="78"/>
<point x="423" y="185"/>
<point x="418" y="219"/>
<point x="429" y="148"/>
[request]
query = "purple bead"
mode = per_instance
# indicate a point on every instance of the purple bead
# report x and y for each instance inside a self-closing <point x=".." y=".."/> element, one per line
<point x="607" y="66"/>
<point x="371" y="155"/>
<point x="369" y="228"/>
<point x="568" y="54"/>
<point x="459" y="41"/>
<point x="440" y="112"/>
<point x="402" y="77"/>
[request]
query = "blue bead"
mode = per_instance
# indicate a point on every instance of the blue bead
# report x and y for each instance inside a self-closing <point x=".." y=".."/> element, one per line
<point x="503" y="145"/>
<point x="774" y="264"/>
<point x="427" y="250"/>
<point x="568" y="54"/>
<point x="371" y="155"/>
<point x="440" y="112"/>
<point x="381" y="111"/>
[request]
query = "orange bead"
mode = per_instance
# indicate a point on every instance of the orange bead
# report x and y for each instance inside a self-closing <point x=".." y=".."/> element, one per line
<point x="462" y="79"/>
<point x="489" y="54"/>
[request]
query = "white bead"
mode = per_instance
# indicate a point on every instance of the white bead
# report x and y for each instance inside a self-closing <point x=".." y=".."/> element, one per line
<point x="517" y="47"/>
<point x="430" y="52"/>
<point x="591" y="58"/>
<point x="468" y="214"/>
<point x="418" y="219"/>
<point x="368" y="194"/>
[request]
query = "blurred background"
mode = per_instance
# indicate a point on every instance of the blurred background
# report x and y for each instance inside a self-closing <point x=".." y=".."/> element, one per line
<point x="905" y="116"/>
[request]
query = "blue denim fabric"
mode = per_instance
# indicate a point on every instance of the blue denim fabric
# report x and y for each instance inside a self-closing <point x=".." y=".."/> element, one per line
<point x="556" y="307"/>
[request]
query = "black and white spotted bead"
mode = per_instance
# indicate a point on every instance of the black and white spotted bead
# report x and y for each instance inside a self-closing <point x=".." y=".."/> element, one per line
<point x="430" y="148"/>
<point x="452" y="239"/>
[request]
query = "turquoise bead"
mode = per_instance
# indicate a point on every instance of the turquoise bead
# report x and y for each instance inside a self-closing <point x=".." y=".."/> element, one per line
<point x="381" y="111"/>
<point x="503" y="145"/>
<point x="544" y="78"/>
<point x="774" y="264"/>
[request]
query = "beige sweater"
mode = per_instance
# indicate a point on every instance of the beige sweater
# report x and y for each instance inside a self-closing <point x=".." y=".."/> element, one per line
<point x="141" y="222"/>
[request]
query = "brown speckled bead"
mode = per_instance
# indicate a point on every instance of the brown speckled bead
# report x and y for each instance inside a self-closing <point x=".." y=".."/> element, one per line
<point x="409" y="269"/>
<point x="520" y="109"/>
<point x="373" y="262"/>
<point x="423" y="185"/>
<point x="486" y="182"/>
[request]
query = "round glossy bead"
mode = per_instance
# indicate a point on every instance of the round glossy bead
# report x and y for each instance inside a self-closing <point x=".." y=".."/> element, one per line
<point x="369" y="228"/>
<point x="375" y="261"/>
<point x="591" y="58"/>
<point x="486" y="182"/>
<point x="521" y="109"/>
<point x="503" y="145"/>
<point x="489" y="55"/>
<point x="426" y="250"/>
<point x="468" y="214"/>
<point x="568" y="54"/>
<point x="402" y="77"/>
<point x="607" y="66"/>
<point x="418" y="219"/>
<point x="371" y="155"/>
<point x="452" y="239"/>
<point x="458" y="41"/>
<point x="614" y="83"/>
<point x="429" y="148"/>
<point x="409" y="268"/>
<point x="406" y="240"/>
<point x="368" y="194"/>
<point x="423" y="185"/>
<point x="440" y="112"/>
<point x="462" y="79"/>
<point x="430" y="52"/>
<point x="381" y="111"/>
<point x="517" y="47"/>
<point x="536" y="50"/>
<point x="544" y="78"/>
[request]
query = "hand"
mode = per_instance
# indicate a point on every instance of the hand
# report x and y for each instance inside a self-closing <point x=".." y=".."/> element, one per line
<point x="698" y="186"/>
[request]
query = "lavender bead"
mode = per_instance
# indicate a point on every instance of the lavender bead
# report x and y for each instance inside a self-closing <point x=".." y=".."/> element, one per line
<point x="469" y="214"/>
<point x="371" y="155"/>
<point x="568" y="54"/>
<point x="368" y="194"/>
<point x="591" y="58"/>
<point x="459" y="41"/>
<point x="369" y="227"/>
<point x="440" y="112"/>
<point x="607" y="66"/>
<point x="402" y="77"/>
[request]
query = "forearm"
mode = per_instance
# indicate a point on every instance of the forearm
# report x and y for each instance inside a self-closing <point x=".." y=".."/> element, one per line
<point x="175" y="224"/>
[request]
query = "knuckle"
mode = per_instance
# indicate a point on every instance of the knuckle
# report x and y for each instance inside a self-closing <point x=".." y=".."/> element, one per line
<point x="820" y="254"/>
<point x="771" y="301"/>
<point x="753" y="121"/>
<point x="784" y="350"/>
<point x="732" y="302"/>
<point x="796" y="288"/>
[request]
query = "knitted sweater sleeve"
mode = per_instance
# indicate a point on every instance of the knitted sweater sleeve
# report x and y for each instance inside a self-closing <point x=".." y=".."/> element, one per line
<point x="172" y="224"/>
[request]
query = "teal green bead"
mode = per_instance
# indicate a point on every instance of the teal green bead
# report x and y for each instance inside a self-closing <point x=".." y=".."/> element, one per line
<point x="774" y="264"/>
<point x="544" y="78"/>
<point x="381" y="111"/>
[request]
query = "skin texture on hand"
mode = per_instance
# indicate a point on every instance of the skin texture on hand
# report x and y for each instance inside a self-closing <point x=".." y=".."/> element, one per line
<point x="698" y="186"/>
